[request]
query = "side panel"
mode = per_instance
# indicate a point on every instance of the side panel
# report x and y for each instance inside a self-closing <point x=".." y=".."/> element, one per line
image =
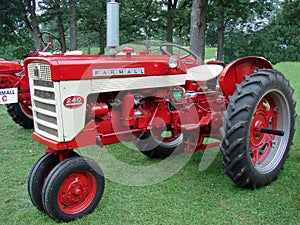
<point x="235" y="71"/>
<point x="73" y="95"/>
<point x="133" y="83"/>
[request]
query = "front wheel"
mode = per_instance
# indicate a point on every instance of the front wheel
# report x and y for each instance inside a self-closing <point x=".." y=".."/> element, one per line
<point x="38" y="175"/>
<point x="260" y="125"/>
<point x="73" y="189"/>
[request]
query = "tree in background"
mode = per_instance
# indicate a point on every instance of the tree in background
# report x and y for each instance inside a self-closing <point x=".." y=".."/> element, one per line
<point x="19" y="28"/>
<point x="91" y="24"/>
<point x="198" y="28"/>
<point x="54" y="10"/>
<point x="230" y="16"/>
<point x="171" y="8"/>
<point x="73" y="24"/>
<point x="276" y="38"/>
<point x="31" y="21"/>
<point x="248" y="27"/>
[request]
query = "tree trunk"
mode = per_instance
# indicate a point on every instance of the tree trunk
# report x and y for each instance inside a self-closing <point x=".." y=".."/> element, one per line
<point x="102" y="36"/>
<point x="172" y="4"/>
<point x="198" y="28"/>
<point x="73" y="26"/>
<point x="33" y="25"/>
<point x="220" y="49"/>
<point x="60" y="24"/>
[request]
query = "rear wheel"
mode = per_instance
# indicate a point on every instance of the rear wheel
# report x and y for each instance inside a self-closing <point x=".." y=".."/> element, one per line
<point x="21" y="114"/>
<point x="73" y="189"/>
<point x="260" y="122"/>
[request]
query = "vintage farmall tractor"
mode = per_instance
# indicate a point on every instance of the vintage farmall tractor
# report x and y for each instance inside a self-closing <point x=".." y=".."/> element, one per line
<point x="14" y="84"/>
<point x="166" y="104"/>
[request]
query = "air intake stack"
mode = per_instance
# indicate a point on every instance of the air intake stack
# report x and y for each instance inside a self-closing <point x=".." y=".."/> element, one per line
<point x="112" y="18"/>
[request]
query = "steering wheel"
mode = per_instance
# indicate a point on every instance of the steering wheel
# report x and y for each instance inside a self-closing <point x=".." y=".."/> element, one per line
<point x="49" y="40"/>
<point x="165" y="49"/>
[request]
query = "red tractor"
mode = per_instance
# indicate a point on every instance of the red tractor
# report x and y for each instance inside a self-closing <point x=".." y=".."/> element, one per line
<point x="14" y="84"/>
<point x="15" y="94"/>
<point x="166" y="104"/>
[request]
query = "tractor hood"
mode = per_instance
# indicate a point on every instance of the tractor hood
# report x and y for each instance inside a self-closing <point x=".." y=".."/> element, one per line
<point x="63" y="67"/>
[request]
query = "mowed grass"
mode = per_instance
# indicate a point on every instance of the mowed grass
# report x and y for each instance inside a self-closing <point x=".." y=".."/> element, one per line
<point x="188" y="197"/>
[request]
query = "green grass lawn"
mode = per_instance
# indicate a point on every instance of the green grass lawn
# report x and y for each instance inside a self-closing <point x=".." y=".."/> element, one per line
<point x="189" y="197"/>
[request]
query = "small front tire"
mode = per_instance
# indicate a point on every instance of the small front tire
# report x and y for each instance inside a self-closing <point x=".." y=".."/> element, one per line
<point x="37" y="176"/>
<point x="73" y="189"/>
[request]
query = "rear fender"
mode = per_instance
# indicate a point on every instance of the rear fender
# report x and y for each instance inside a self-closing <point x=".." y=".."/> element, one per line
<point x="9" y="67"/>
<point x="11" y="81"/>
<point x="235" y="71"/>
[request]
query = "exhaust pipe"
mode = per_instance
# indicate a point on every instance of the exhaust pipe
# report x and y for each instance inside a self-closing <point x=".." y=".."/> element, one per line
<point x="112" y="26"/>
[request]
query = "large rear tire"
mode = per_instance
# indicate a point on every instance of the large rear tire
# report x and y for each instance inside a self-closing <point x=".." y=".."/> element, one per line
<point x="260" y="125"/>
<point x="21" y="114"/>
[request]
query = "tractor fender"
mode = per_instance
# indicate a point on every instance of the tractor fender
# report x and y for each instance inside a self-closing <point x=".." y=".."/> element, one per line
<point x="10" y="67"/>
<point x="235" y="71"/>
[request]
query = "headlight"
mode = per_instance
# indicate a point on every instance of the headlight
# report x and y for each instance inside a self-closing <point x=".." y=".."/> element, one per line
<point x="173" y="62"/>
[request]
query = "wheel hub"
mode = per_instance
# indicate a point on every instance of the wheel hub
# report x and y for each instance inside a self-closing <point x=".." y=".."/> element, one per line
<point x="261" y="143"/>
<point x="76" y="192"/>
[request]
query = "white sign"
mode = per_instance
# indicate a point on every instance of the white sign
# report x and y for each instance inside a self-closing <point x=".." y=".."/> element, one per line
<point x="8" y="95"/>
<point x="117" y="71"/>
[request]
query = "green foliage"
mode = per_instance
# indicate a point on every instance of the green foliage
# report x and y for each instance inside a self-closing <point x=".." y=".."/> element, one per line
<point x="251" y="27"/>
<point x="278" y="41"/>
<point x="237" y="14"/>
<point x="15" y="41"/>
<point x="21" y="45"/>
<point x="91" y="19"/>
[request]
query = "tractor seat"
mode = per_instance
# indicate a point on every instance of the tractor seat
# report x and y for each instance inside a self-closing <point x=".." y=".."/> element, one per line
<point x="74" y="52"/>
<point x="204" y="72"/>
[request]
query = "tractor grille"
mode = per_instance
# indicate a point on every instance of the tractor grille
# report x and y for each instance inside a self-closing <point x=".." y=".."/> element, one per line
<point x="39" y="70"/>
<point x="44" y="102"/>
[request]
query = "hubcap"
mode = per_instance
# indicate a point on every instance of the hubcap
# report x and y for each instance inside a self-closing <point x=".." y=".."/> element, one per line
<point x="266" y="150"/>
<point x="77" y="192"/>
<point x="264" y="117"/>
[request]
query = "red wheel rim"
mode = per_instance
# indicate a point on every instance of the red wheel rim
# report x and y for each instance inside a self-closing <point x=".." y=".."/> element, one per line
<point x="260" y="143"/>
<point x="77" y="192"/>
<point x="26" y="109"/>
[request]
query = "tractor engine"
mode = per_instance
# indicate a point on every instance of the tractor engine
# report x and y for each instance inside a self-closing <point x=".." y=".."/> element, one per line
<point x="168" y="112"/>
